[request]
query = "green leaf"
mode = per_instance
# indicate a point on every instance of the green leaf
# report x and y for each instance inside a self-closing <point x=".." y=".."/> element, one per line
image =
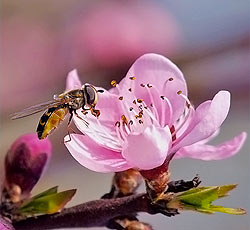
<point x="200" y="199"/>
<point x="233" y="211"/>
<point x="46" y="192"/>
<point x="47" y="204"/>
<point x="223" y="190"/>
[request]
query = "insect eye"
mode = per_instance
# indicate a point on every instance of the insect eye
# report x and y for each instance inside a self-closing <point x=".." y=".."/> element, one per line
<point x="91" y="95"/>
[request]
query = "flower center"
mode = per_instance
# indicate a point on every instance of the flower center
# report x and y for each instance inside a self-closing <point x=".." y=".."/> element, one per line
<point x="157" y="110"/>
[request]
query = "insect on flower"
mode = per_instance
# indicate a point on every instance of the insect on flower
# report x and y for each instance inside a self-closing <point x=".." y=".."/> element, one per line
<point x="60" y="106"/>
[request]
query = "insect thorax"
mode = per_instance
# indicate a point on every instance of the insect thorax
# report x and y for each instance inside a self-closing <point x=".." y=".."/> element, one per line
<point x="75" y="99"/>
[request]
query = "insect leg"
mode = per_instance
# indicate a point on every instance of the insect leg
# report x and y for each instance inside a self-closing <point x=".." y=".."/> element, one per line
<point x="68" y="127"/>
<point x="95" y="112"/>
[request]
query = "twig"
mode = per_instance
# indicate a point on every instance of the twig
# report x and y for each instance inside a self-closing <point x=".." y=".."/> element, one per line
<point x="90" y="214"/>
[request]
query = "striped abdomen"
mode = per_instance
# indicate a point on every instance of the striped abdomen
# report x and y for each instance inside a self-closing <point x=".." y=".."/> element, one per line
<point x="50" y="120"/>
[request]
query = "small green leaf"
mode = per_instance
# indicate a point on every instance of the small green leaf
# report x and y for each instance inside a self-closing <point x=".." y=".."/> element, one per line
<point x="47" y="204"/>
<point x="46" y="192"/>
<point x="200" y="199"/>
<point x="233" y="211"/>
<point x="223" y="190"/>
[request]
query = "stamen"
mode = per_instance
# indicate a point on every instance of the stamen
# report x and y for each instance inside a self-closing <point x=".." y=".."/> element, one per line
<point x="100" y="91"/>
<point x="149" y="86"/>
<point x="163" y="111"/>
<point x="139" y="100"/>
<point x="121" y="98"/>
<point x="132" y="78"/>
<point x="142" y="85"/>
<point x="165" y="83"/>
<point x="113" y="83"/>
<point x="134" y="101"/>
<point x="130" y="90"/>
<point x="130" y="122"/>
<point x="118" y="124"/>
<point x="131" y="108"/>
<point x="118" y="134"/>
<point x="151" y="105"/>
<point x="179" y="92"/>
<point x="124" y="120"/>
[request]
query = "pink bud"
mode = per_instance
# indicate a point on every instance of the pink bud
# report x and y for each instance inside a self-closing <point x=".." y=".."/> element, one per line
<point x="24" y="164"/>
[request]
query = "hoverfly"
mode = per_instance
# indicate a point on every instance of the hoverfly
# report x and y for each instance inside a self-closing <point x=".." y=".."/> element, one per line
<point x="60" y="106"/>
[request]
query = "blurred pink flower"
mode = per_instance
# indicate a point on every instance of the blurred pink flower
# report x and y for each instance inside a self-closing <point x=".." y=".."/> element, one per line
<point x="25" y="162"/>
<point x="114" y="32"/>
<point x="29" y="60"/>
<point x="147" y="117"/>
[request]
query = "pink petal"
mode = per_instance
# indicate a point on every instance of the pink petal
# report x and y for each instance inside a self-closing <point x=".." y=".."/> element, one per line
<point x="102" y="129"/>
<point x="207" y="119"/>
<point x="156" y="70"/>
<point x="149" y="149"/>
<point x="73" y="81"/>
<point x="93" y="156"/>
<point x="109" y="106"/>
<point x="209" y="152"/>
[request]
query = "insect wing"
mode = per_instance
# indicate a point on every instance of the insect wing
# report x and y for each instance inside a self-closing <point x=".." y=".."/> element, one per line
<point x="36" y="109"/>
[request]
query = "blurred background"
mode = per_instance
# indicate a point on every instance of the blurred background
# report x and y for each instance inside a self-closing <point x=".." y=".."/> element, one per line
<point x="42" y="40"/>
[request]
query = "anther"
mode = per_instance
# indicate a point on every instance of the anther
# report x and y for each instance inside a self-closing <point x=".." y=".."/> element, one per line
<point x="151" y="105"/>
<point x="188" y="105"/>
<point x="142" y="85"/>
<point x="179" y="92"/>
<point x="132" y="78"/>
<point x="130" y="90"/>
<point x="121" y="98"/>
<point x="140" y="122"/>
<point x="131" y="122"/>
<point x="162" y="97"/>
<point x="145" y="107"/>
<point x="134" y="101"/>
<point x="113" y="83"/>
<point x="139" y="100"/>
<point x="149" y="86"/>
<point x="131" y="108"/>
<point x="171" y="79"/>
<point x="100" y="91"/>
<point x="124" y="119"/>
<point x="118" y="124"/>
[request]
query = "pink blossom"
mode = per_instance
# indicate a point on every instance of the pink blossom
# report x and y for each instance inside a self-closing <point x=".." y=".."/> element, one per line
<point x="147" y="117"/>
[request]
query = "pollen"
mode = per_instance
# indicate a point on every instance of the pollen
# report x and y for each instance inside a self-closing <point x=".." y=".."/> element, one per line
<point x="124" y="119"/>
<point x="113" y="83"/>
<point x="121" y="98"/>
<point x="139" y="100"/>
<point x="132" y="78"/>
